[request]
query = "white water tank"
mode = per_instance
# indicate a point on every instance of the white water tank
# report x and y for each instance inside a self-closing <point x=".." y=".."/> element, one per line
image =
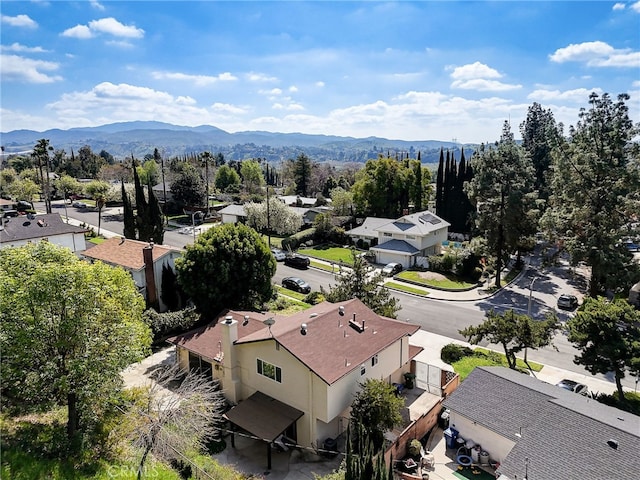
<point x="484" y="458"/>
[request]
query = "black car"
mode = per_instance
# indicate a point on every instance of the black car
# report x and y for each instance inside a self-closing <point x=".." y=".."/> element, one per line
<point x="297" y="261"/>
<point x="296" y="284"/>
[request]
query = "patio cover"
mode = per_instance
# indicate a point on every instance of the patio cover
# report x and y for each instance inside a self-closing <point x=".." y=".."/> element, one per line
<point x="263" y="416"/>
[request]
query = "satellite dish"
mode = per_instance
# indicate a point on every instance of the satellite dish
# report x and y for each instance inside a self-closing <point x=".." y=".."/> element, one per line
<point x="269" y="321"/>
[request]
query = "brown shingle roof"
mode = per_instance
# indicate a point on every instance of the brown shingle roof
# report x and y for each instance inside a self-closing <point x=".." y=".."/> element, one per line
<point x="126" y="253"/>
<point x="331" y="347"/>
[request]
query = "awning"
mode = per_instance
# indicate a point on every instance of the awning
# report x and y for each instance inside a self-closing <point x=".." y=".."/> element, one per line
<point x="263" y="416"/>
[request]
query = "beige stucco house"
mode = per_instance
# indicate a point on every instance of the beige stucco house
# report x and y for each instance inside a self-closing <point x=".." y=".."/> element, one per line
<point x="408" y="240"/>
<point x="143" y="260"/>
<point x="297" y="375"/>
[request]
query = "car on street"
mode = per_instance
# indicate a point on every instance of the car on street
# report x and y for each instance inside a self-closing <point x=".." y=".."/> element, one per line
<point x="77" y="204"/>
<point x="574" y="387"/>
<point x="296" y="284"/>
<point x="391" y="269"/>
<point x="278" y="254"/>
<point x="567" y="302"/>
<point x="296" y="260"/>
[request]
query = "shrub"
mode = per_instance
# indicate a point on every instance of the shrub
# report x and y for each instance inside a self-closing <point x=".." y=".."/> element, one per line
<point x="453" y="352"/>
<point x="163" y="324"/>
<point x="359" y="243"/>
<point x="292" y="242"/>
<point x="314" y="298"/>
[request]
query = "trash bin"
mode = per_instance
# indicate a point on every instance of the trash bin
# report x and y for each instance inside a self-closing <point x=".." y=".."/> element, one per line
<point x="409" y="379"/>
<point x="330" y="445"/>
<point x="450" y="435"/>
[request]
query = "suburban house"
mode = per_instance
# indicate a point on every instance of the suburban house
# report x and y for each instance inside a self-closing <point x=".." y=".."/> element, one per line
<point x="533" y="429"/>
<point x="145" y="261"/>
<point x="296" y="375"/>
<point x="50" y="227"/>
<point x="407" y="240"/>
<point x="162" y="189"/>
<point x="233" y="213"/>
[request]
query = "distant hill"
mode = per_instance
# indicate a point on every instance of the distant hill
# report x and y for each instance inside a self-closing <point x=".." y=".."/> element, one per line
<point x="140" y="138"/>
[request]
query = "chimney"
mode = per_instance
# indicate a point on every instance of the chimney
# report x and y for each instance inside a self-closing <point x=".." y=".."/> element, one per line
<point x="149" y="276"/>
<point x="231" y="377"/>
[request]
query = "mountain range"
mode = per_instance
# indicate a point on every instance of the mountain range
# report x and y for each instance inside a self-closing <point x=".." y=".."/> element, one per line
<point x="140" y="138"/>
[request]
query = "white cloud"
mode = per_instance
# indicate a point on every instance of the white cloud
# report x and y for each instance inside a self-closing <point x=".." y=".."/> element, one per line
<point x="109" y="26"/>
<point x="293" y="89"/>
<point x="636" y="83"/>
<point x="596" y="54"/>
<point x="260" y="77"/>
<point x="636" y="6"/>
<point x="578" y="95"/>
<point x="18" y="21"/>
<point x="16" y="68"/>
<point x="320" y="84"/>
<point x="291" y="107"/>
<point x="483" y="85"/>
<point x="79" y="31"/>
<point x="474" y="70"/>
<point x="16" y="47"/>
<point x="97" y="5"/>
<point x="199" y="80"/>
<point x="618" y="6"/>
<point x="228" y="108"/>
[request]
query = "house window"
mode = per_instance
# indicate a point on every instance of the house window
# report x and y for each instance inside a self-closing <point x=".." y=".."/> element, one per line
<point x="411" y="237"/>
<point x="270" y="371"/>
<point x="386" y="234"/>
<point x="363" y="369"/>
<point x="374" y="360"/>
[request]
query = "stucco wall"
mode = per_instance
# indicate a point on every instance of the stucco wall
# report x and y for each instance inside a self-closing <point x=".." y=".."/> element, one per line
<point x="497" y="445"/>
<point x="73" y="241"/>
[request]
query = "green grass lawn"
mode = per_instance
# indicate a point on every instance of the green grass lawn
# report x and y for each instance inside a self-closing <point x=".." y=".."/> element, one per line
<point x="452" y="282"/>
<point x="405" y="288"/>
<point x="487" y="358"/>
<point x="331" y="254"/>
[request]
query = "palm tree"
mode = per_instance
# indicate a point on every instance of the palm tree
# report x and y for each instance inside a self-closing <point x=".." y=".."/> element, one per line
<point x="98" y="190"/>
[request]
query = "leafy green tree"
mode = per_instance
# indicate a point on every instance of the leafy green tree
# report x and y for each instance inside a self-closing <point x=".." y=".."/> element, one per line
<point x="188" y="188"/>
<point x="342" y="201"/>
<point x="359" y="282"/>
<point x="501" y="188"/>
<point x="226" y="177"/>
<point x="376" y="408"/>
<point x="68" y="329"/>
<point x="98" y="190"/>
<point x="68" y="186"/>
<point x="513" y="331"/>
<point x="608" y="337"/>
<point x="595" y="183"/>
<point x="251" y="173"/>
<point x="23" y="189"/>
<point x="229" y="266"/>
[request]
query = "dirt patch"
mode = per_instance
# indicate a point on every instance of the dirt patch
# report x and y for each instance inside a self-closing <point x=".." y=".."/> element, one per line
<point x="431" y="276"/>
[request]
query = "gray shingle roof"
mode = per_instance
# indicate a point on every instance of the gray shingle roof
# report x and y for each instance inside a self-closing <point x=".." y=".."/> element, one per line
<point x="396" y="246"/>
<point x="39" y="226"/>
<point x="563" y="435"/>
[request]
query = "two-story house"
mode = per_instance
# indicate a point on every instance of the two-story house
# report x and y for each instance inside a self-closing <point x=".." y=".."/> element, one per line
<point x="407" y="240"/>
<point x="145" y="261"/>
<point x="297" y="375"/>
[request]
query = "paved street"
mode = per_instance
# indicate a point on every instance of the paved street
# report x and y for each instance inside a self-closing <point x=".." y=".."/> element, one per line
<point x="540" y="283"/>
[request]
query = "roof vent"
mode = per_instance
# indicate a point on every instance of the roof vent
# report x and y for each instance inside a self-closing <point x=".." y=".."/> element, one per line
<point x="313" y="315"/>
<point x="245" y="321"/>
<point x="612" y="443"/>
<point x="341" y="310"/>
<point x="303" y="329"/>
<point x="228" y="320"/>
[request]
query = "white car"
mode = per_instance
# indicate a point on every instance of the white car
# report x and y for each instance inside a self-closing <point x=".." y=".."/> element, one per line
<point x="278" y="254"/>
<point x="77" y="204"/>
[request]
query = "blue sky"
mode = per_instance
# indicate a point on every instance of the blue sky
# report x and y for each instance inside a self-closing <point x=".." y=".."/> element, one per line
<point x="401" y="70"/>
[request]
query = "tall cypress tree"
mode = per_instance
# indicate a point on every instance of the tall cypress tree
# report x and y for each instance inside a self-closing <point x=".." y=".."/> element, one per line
<point x="129" y="218"/>
<point x="440" y="184"/>
<point x="417" y="192"/>
<point x="154" y="217"/>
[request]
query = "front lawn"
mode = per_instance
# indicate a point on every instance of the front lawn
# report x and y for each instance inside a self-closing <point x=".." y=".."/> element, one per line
<point x="487" y="358"/>
<point x="330" y="254"/>
<point x="447" y="281"/>
<point x="403" y="287"/>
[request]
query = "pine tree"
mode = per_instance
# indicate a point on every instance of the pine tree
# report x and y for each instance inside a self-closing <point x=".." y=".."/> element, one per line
<point x="154" y="217"/>
<point x="440" y="185"/>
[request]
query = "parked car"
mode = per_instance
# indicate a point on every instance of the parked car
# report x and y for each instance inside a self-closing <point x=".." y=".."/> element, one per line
<point x="574" y="387"/>
<point x="278" y="254"/>
<point x="10" y="213"/>
<point x="568" y="302"/>
<point x="297" y="261"/>
<point x="23" y="206"/>
<point x="77" y="204"/>
<point x="296" y="284"/>
<point x="391" y="269"/>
